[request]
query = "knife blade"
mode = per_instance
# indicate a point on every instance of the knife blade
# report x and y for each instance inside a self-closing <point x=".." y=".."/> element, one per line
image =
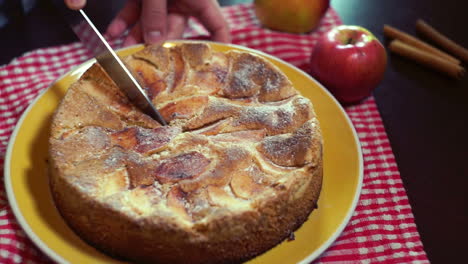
<point x="93" y="40"/>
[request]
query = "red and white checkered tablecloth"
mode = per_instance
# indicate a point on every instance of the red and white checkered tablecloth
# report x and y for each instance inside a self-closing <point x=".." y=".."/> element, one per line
<point x="382" y="228"/>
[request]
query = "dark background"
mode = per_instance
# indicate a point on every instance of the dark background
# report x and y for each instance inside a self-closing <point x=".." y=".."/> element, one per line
<point x="425" y="113"/>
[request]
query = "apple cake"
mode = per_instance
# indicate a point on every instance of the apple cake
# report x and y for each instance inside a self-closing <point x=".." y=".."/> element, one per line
<point x="237" y="170"/>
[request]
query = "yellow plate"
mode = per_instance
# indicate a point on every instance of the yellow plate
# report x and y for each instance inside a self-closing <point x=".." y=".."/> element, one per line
<point x="28" y="190"/>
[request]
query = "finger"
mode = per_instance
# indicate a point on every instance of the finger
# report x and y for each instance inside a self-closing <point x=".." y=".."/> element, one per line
<point x="176" y="25"/>
<point x="153" y="20"/>
<point x="75" y="4"/>
<point x="127" y="17"/>
<point x="134" y="37"/>
<point x="209" y="14"/>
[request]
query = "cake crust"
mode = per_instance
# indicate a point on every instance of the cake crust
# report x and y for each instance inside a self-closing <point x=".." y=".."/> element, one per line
<point x="237" y="171"/>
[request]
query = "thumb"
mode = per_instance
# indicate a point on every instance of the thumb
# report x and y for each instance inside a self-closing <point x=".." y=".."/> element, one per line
<point x="153" y="20"/>
<point x="75" y="4"/>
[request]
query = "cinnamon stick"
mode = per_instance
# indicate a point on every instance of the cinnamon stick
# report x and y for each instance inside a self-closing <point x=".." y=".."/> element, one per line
<point x="446" y="43"/>
<point x="394" y="33"/>
<point x="427" y="59"/>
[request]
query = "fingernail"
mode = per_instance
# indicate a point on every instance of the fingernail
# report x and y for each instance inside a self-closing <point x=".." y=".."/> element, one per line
<point x="75" y="4"/>
<point x="153" y="37"/>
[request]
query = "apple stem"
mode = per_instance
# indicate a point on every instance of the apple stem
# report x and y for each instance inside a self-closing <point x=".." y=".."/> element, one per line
<point x="349" y="41"/>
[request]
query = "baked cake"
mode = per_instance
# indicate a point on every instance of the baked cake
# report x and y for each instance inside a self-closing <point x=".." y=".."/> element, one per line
<point x="237" y="170"/>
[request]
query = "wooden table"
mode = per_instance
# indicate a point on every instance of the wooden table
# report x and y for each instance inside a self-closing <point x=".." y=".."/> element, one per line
<point x="425" y="113"/>
<point x="426" y="117"/>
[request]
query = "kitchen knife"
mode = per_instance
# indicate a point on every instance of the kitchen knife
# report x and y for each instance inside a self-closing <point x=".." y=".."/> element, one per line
<point x="108" y="59"/>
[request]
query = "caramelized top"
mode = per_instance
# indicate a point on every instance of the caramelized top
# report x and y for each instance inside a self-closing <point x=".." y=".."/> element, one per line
<point x="238" y="133"/>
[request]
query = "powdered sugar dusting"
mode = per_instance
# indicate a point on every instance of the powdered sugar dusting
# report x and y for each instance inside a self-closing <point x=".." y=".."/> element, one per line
<point x="115" y="158"/>
<point x="150" y="140"/>
<point x="95" y="136"/>
<point x="276" y="118"/>
<point x="294" y="149"/>
<point x="164" y="134"/>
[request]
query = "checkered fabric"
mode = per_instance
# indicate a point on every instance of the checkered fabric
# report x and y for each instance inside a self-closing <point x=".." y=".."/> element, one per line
<point x="382" y="228"/>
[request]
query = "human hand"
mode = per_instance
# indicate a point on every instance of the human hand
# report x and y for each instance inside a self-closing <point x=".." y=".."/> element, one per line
<point x="153" y="21"/>
<point x="75" y="4"/>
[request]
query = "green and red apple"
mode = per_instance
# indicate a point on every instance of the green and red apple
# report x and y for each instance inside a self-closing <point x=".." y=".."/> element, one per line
<point x="349" y="61"/>
<point x="293" y="16"/>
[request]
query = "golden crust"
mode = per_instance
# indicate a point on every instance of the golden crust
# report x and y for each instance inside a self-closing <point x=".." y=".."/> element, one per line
<point x="238" y="169"/>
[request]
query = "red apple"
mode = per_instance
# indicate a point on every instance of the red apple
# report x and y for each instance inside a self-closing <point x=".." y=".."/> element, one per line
<point x="349" y="61"/>
<point x="294" y="16"/>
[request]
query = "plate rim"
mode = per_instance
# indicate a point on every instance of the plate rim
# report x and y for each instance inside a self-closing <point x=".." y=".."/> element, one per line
<point x="56" y="257"/>
<point x="8" y="183"/>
